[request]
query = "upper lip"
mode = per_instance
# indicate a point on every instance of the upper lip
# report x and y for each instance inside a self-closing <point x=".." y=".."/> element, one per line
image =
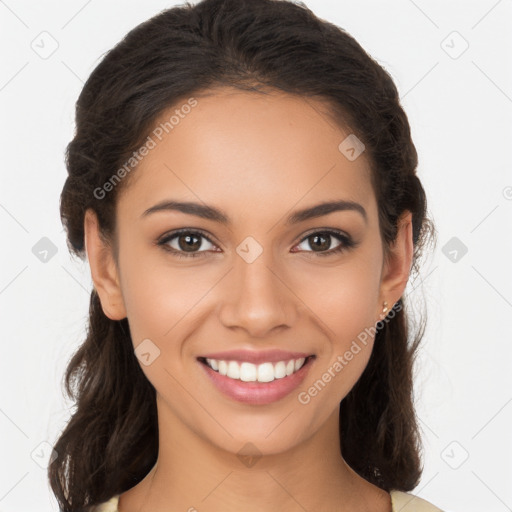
<point x="256" y="356"/>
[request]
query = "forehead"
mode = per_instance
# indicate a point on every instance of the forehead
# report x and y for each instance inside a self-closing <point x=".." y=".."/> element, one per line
<point x="247" y="151"/>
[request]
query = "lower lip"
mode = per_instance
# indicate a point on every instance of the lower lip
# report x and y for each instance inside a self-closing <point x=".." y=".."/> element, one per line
<point x="257" y="393"/>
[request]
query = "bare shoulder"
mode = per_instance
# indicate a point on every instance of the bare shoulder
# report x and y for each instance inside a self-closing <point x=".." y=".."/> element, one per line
<point x="406" y="502"/>
<point x="107" y="506"/>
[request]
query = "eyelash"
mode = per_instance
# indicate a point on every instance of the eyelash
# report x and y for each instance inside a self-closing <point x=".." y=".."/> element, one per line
<point x="347" y="242"/>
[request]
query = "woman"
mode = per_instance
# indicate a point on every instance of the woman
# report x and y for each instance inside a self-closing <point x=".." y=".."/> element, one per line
<point x="242" y="181"/>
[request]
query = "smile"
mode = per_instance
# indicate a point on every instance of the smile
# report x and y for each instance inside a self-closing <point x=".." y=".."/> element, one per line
<point x="256" y="384"/>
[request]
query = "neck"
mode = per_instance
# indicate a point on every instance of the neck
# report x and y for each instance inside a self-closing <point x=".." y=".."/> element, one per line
<point x="192" y="474"/>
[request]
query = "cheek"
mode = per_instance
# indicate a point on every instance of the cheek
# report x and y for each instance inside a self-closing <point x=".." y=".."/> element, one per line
<point x="160" y="298"/>
<point x="163" y="306"/>
<point x="342" y="298"/>
<point x="344" y="302"/>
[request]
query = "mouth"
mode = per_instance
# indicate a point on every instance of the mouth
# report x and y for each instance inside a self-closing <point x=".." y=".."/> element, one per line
<point x="252" y="383"/>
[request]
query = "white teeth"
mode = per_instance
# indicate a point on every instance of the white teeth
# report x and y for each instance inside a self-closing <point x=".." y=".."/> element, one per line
<point x="233" y="370"/>
<point x="223" y="367"/>
<point x="265" y="372"/>
<point x="280" y="370"/>
<point x="299" y="363"/>
<point x="248" y="372"/>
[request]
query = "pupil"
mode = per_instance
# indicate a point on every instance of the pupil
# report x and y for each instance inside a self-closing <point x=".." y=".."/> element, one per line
<point x="189" y="245"/>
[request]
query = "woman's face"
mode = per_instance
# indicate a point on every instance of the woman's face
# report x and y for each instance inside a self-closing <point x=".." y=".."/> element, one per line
<point x="258" y="275"/>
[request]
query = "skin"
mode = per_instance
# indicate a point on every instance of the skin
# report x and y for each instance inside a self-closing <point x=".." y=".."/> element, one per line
<point x="258" y="158"/>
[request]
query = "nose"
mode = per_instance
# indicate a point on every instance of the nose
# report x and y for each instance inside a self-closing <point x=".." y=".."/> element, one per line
<point x="257" y="298"/>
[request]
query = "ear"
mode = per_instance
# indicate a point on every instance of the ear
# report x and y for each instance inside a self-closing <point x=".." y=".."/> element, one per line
<point x="397" y="267"/>
<point x="104" y="270"/>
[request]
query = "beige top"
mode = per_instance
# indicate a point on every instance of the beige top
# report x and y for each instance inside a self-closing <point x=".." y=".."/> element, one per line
<point x="401" y="502"/>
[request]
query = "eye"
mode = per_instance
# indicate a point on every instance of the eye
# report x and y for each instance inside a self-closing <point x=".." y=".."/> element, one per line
<point x="185" y="243"/>
<point x="322" y="241"/>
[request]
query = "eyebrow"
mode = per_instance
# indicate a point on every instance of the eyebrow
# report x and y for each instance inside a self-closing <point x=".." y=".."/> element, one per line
<point x="216" y="215"/>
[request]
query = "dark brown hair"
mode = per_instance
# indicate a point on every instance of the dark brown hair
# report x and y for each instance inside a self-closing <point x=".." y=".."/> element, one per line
<point x="111" y="440"/>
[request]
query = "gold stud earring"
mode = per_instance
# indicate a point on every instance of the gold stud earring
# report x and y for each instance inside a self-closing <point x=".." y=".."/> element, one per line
<point x="384" y="309"/>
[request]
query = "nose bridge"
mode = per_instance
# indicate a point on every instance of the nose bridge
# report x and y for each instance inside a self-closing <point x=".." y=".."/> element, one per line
<point x="257" y="300"/>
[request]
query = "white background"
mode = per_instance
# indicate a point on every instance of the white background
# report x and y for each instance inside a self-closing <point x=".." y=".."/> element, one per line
<point x="460" y="111"/>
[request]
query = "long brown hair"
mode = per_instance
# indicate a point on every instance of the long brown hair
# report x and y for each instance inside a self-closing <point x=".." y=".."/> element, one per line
<point x="111" y="440"/>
